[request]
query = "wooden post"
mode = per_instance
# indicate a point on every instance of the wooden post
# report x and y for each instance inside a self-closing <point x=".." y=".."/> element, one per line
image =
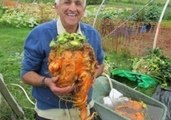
<point x="10" y="99"/>
<point x="159" y="22"/>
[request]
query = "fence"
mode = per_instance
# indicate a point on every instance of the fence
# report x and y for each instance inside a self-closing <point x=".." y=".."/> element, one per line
<point x="132" y="38"/>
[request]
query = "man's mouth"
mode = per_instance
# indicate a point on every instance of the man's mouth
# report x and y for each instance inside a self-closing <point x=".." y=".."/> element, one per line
<point x="71" y="14"/>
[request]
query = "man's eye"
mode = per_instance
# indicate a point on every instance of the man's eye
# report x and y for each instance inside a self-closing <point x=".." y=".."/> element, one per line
<point x="67" y="2"/>
<point x="78" y="3"/>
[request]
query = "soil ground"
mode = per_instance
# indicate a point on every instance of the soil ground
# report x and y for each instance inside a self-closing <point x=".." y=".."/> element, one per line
<point x="138" y="43"/>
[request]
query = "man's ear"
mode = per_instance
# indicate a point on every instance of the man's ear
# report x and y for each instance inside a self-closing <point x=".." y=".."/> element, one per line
<point x="56" y="7"/>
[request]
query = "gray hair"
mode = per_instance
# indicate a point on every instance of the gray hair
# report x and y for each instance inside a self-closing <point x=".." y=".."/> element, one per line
<point x="57" y="2"/>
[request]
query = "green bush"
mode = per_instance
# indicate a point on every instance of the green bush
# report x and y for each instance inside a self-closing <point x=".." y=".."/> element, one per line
<point x="150" y="14"/>
<point x="167" y="15"/>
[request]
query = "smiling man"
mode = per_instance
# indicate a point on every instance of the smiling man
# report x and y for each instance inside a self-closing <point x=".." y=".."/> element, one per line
<point x="70" y="13"/>
<point x="34" y="69"/>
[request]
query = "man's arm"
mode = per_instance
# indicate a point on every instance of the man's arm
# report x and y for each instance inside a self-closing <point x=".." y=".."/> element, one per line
<point x="32" y="78"/>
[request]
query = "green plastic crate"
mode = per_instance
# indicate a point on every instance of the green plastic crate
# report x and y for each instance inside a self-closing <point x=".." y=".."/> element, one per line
<point x="155" y="109"/>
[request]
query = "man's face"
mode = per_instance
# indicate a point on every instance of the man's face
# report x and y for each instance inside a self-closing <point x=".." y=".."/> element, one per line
<point x="70" y="11"/>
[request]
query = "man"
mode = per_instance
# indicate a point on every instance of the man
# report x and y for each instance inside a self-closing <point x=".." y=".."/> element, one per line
<point x="35" y="68"/>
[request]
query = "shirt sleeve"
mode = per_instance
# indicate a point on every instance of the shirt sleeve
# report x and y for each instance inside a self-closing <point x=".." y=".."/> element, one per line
<point x="33" y="55"/>
<point x="100" y="52"/>
<point x="95" y="40"/>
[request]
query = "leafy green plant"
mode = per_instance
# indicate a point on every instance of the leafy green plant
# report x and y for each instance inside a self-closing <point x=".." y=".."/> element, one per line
<point x="150" y="14"/>
<point x="111" y="12"/>
<point x="154" y="64"/>
<point x="167" y="15"/>
<point x="16" y="18"/>
<point x="2" y="10"/>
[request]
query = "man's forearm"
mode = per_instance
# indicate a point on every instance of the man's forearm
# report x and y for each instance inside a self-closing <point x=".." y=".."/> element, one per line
<point x="32" y="78"/>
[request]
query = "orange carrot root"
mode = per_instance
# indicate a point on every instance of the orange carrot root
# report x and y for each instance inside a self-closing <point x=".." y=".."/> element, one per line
<point x="75" y="67"/>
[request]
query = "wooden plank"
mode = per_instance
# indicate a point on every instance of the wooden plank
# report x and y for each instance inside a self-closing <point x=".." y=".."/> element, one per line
<point x="10" y="99"/>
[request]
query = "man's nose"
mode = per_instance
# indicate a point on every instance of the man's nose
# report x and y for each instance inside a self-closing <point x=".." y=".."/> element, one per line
<point x="72" y="7"/>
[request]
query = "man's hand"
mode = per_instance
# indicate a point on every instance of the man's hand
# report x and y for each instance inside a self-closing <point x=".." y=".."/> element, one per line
<point x="99" y="70"/>
<point x="50" y="82"/>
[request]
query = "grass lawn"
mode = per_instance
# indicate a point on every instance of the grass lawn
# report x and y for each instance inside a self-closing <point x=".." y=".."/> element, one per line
<point x="11" y="45"/>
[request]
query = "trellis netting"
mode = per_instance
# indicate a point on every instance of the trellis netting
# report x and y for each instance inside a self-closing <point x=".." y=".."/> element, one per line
<point x="133" y="36"/>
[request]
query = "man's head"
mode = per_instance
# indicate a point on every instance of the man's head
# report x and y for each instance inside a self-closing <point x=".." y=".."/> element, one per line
<point x="70" y="12"/>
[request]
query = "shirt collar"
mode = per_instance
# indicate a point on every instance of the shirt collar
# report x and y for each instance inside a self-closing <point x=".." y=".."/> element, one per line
<point x="61" y="29"/>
